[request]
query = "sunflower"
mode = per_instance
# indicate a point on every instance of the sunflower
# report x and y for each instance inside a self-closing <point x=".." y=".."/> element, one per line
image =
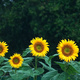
<point x="67" y="50"/>
<point x="16" y="60"/>
<point x="3" y="48"/>
<point x="39" y="47"/>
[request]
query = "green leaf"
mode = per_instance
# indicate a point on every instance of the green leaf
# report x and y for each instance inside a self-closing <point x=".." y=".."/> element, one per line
<point x="28" y="60"/>
<point x="1" y="59"/>
<point x="25" y="64"/>
<point x="1" y="72"/>
<point x="49" y="75"/>
<point x="6" y="59"/>
<point x="78" y="76"/>
<point x="26" y="52"/>
<point x="25" y="68"/>
<point x="8" y="79"/>
<point x="75" y="65"/>
<point x="46" y="58"/>
<point x="47" y="67"/>
<point x="38" y="71"/>
<point x="66" y="67"/>
<point x="6" y="68"/>
<point x="53" y="56"/>
<point x="60" y="76"/>
<point x="31" y="72"/>
<point x="29" y="69"/>
<point x="5" y="63"/>
<point x="61" y="64"/>
<point x="73" y="77"/>
<point x="47" y="61"/>
<point x="20" y="74"/>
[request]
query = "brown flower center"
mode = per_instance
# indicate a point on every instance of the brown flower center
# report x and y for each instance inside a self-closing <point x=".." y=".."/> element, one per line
<point x="16" y="60"/>
<point x="1" y="48"/>
<point x="67" y="50"/>
<point x="38" y="47"/>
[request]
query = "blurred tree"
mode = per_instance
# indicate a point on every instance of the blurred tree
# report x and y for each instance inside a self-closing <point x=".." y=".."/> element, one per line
<point x="21" y="20"/>
<point x="15" y="28"/>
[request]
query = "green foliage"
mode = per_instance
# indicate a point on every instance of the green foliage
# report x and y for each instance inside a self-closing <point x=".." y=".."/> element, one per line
<point x="19" y="75"/>
<point x="46" y="67"/>
<point x="50" y="57"/>
<point x="1" y="72"/>
<point x="52" y="72"/>
<point x="75" y="65"/>
<point x="46" y="58"/>
<point x="1" y="59"/>
<point x="27" y="61"/>
<point x="24" y="72"/>
<point x="68" y="68"/>
<point x="6" y="68"/>
<point x="60" y="76"/>
<point x="54" y="75"/>
<point x="49" y="75"/>
<point x="26" y="52"/>
<point x="48" y="61"/>
<point x="38" y="71"/>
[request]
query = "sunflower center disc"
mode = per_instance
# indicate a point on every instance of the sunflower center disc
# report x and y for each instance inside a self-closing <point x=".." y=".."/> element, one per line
<point x="38" y="47"/>
<point x="1" y="49"/>
<point x="67" y="50"/>
<point x="16" y="60"/>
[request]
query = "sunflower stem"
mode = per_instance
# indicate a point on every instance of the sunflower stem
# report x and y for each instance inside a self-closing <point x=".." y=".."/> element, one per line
<point x="35" y="78"/>
<point x="66" y="68"/>
<point x="15" y="70"/>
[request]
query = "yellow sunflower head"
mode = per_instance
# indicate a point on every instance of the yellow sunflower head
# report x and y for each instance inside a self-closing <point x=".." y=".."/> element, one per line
<point x="39" y="47"/>
<point x="67" y="50"/>
<point x="3" y="48"/>
<point x="16" y="60"/>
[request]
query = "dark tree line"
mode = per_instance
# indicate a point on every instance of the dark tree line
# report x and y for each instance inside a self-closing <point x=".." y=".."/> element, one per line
<point x="22" y="20"/>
